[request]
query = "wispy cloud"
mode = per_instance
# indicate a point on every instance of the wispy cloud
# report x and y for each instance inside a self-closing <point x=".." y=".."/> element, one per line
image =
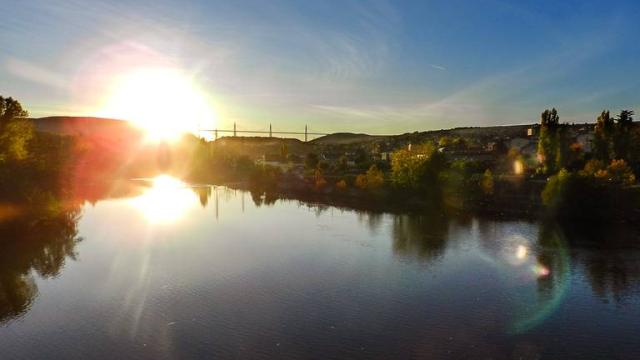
<point x="35" y="73"/>
<point x="344" y="65"/>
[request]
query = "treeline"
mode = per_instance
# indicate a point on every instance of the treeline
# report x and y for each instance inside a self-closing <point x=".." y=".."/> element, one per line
<point x="33" y="165"/>
<point x="600" y="184"/>
<point x="564" y="177"/>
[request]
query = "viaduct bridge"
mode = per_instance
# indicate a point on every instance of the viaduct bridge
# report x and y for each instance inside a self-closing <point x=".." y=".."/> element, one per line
<point x="235" y="132"/>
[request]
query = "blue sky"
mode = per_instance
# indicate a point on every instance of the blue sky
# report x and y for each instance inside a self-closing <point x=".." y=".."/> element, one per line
<point x="375" y="66"/>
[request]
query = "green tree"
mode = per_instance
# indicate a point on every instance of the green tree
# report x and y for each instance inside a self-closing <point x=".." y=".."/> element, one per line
<point x="622" y="137"/>
<point x="418" y="169"/>
<point x="15" y="130"/>
<point x="602" y="138"/>
<point x="548" y="141"/>
<point x="563" y="149"/>
<point x="362" y="158"/>
<point x="10" y="109"/>
<point x="555" y="189"/>
<point x="486" y="182"/>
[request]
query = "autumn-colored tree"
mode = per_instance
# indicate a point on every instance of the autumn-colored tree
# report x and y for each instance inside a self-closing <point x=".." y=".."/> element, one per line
<point x="341" y="185"/>
<point x="320" y="181"/>
<point x="616" y="172"/>
<point x="361" y="181"/>
<point x="620" y="173"/>
<point x="375" y="178"/>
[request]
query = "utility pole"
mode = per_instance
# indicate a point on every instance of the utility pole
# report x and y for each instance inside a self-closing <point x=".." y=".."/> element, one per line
<point x="234" y="129"/>
<point x="305" y="133"/>
<point x="270" y="130"/>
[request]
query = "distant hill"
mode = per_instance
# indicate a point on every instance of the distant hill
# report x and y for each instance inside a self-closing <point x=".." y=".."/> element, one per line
<point x="345" y="139"/>
<point x="255" y="147"/>
<point x="87" y="126"/>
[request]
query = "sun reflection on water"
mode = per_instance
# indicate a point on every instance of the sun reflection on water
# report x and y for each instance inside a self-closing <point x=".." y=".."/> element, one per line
<point x="166" y="201"/>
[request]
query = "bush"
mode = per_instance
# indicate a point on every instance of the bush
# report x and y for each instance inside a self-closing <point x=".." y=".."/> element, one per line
<point x="375" y="178"/>
<point x="618" y="172"/>
<point x="341" y="185"/>
<point x="361" y="181"/>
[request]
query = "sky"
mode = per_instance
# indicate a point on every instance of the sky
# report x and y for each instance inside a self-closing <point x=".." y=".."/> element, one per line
<point x="380" y="67"/>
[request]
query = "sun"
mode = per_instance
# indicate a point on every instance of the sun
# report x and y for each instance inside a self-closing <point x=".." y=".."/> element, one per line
<point x="164" y="102"/>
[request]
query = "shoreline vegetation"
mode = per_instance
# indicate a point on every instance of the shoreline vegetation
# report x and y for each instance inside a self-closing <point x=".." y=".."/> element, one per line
<point x="550" y="170"/>
<point x="560" y="172"/>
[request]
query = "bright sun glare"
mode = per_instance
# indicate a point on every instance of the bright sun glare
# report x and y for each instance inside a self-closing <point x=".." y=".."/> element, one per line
<point x="166" y="201"/>
<point x="162" y="101"/>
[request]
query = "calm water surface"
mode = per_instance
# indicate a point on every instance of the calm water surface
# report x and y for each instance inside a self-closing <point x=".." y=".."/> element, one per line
<point x="180" y="272"/>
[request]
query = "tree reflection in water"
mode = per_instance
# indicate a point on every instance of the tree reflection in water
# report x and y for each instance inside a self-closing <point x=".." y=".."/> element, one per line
<point x="204" y="194"/>
<point x="33" y="248"/>
<point x="420" y="236"/>
<point x="609" y="259"/>
<point x="603" y="255"/>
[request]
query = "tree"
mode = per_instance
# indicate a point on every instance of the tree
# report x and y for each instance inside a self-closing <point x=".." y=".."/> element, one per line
<point x="361" y="181"/>
<point x="548" y="142"/>
<point x="487" y="183"/>
<point x="341" y="185"/>
<point x="375" y="177"/>
<point x="418" y="169"/>
<point x="617" y="172"/>
<point x="563" y="146"/>
<point x="555" y="189"/>
<point x="10" y="109"/>
<point x="622" y="136"/>
<point x="15" y="130"/>
<point x="320" y="181"/>
<point x="362" y="158"/>
<point x="603" y="134"/>
<point x="620" y="173"/>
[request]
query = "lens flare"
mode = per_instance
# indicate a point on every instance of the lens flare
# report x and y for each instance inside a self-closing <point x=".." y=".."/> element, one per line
<point x="553" y="282"/>
<point x="541" y="270"/>
<point x="521" y="252"/>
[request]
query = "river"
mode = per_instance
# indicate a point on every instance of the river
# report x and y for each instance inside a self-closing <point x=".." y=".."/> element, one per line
<point x="178" y="272"/>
